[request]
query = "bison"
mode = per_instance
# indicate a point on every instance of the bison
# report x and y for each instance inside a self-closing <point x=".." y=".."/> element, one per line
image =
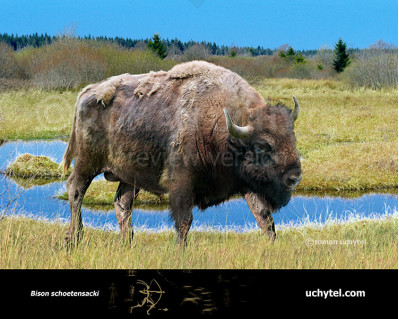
<point x="198" y="132"/>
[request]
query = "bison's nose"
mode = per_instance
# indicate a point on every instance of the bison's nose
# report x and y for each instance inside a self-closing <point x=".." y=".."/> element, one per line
<point x="292" y="178"/>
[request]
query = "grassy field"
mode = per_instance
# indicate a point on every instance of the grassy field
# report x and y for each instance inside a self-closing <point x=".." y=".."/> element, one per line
<point x="25" y="243"/>
<point x="36" y="114"/>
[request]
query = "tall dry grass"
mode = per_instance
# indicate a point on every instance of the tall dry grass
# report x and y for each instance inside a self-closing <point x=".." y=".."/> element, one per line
<point x="26" y="243"/>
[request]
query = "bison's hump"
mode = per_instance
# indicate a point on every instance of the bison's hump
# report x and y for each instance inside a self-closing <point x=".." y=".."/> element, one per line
<point x="195" y="68"/>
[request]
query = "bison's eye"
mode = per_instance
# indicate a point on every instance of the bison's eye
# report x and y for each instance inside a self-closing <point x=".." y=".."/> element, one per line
<point x="260" y="149"/>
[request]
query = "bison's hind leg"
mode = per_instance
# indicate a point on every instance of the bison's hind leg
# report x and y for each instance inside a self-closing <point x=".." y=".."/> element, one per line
<point x="123" y="202"/>
<point x="77" y="185"/>
<point x="181" y="205"/>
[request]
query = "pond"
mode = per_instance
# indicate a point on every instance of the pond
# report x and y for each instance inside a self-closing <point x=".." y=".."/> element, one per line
<point x="39" y="202"/>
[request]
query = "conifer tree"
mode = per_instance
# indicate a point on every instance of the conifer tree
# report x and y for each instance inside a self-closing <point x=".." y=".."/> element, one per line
<point x="156" y="45"/>
<point x="341" y="60"/>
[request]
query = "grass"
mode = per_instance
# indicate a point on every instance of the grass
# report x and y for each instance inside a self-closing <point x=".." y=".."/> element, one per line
<point x="29" y="171"/>
<point x="36" y="114"/>
<point x="26" y="243"/>
<point x="28" y="166"/>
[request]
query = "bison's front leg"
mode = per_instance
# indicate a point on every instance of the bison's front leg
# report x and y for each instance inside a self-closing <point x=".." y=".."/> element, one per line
<point x="262" y="215"/>
<point x="123" y="202"/>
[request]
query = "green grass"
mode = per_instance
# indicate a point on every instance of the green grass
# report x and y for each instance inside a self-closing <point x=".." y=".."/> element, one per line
<point x="36" y="114"/>
<point x="25" y="243"/>
<point x="28" y="171"/>
<point x="28" y="166"/>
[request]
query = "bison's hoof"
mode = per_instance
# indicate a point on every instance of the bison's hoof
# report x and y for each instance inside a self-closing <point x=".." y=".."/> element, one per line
<point x="68" y="240"/>
<point x="272" y="236"/>
<point x="72" y="239"/>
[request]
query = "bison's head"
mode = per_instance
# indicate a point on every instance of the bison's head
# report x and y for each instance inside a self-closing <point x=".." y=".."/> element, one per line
<point x="269" y="162"/>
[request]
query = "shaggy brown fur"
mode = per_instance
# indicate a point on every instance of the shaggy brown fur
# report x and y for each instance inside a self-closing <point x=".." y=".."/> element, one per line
<point x="165" y="132"/>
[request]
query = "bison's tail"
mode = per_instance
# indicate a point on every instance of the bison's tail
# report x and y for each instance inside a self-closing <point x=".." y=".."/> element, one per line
<point x="70" y="151"/>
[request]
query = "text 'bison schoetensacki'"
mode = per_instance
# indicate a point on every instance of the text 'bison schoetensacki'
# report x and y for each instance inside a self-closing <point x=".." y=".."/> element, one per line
<point x="198" y="132"/>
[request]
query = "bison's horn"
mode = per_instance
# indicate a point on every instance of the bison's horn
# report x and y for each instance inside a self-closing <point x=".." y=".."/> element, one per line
<point x="295" y="112"/>
<point x="235" y="130"/>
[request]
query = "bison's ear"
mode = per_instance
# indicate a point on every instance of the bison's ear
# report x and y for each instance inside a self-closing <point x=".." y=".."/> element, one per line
<point x="235" y="130"/>
<point x="295" y="111"/>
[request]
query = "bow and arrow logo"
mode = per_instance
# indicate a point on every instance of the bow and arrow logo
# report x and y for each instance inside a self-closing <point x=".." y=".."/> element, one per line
<point x="152" y="295"/>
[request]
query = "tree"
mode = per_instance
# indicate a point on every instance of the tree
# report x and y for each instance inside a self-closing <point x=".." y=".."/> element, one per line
<point x="381" y="45"/>
<point x="156" y="45"/>
<point x="233" y="51"/>
<point x="290" y="52"/>
<point x="341" y="60"/>
<point x="299" y="58"/>
<point x="196" y="52"/>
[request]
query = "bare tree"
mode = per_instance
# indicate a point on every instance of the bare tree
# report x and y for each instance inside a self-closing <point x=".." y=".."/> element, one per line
<point x="141" y="45"/>
<point x="174" y="52"/>
<point x="325" y="57"/>
<point x="375" y="67"/>
<point x="196" y="52"/>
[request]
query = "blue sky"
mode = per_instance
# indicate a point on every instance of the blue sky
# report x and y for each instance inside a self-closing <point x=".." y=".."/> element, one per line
<point x="304" y="24"/>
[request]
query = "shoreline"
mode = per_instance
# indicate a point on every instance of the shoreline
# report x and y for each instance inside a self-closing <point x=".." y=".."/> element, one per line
<point x="247" y="229"/>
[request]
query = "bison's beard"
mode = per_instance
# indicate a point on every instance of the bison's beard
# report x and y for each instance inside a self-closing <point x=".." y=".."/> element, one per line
<point x="267" y="185"/>
<point x="273" y="195"/>
<point x="274" y="198"/>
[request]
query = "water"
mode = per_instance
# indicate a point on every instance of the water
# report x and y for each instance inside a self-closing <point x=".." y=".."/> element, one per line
<point x="39" y="202"/>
